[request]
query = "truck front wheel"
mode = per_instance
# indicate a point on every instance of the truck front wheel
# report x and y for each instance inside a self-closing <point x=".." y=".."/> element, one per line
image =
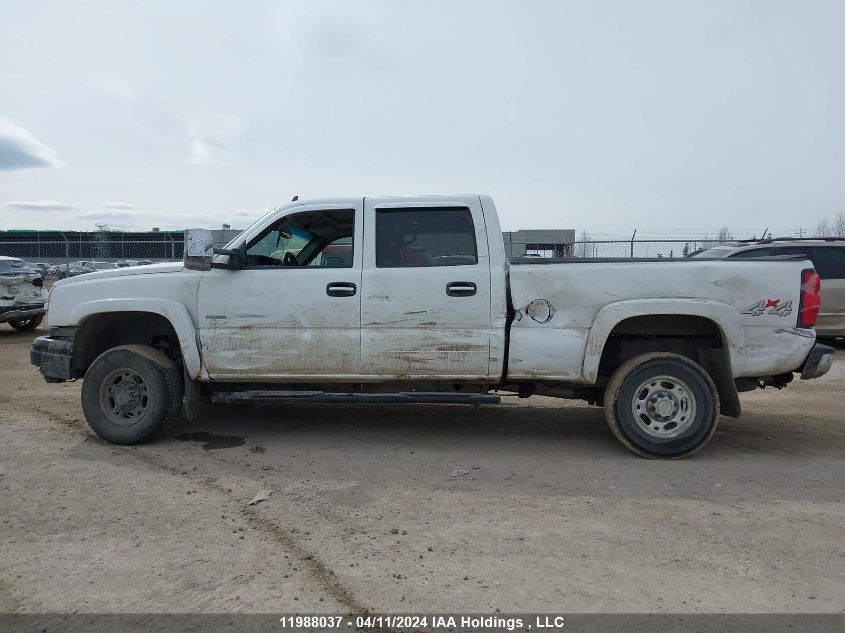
<point x="662" y="405"/>
<point x="131" y="393"/>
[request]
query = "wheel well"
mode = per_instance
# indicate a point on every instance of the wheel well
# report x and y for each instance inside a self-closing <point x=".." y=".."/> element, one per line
<point x="101" y="332"/>
<point x="698" y="338"/>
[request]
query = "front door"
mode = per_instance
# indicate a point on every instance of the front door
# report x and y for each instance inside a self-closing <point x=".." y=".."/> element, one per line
<point x="425" y="289"/>
<point x="294" y="310"/>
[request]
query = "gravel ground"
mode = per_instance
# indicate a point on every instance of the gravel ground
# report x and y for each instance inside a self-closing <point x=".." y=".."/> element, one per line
<point x="527" y="506"/>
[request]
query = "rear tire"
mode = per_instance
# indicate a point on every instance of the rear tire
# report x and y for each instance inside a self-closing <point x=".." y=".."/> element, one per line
<point x="662" y="405"/>
<point x="27" y="325"/>
<point x="131" y="393"/>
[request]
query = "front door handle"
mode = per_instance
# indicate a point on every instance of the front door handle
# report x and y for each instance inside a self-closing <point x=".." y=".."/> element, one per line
<point x="341" y="289"/>
<point x="461" y="289"/>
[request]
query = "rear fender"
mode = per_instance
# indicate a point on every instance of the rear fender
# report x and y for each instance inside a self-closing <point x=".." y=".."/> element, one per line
<point x="724" y="316"/>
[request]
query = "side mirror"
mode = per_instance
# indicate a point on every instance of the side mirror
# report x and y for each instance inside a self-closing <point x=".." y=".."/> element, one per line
<point x="199" y="248"/>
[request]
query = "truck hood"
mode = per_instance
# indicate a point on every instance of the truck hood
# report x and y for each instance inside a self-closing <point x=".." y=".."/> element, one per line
<point x="165" y="267"/>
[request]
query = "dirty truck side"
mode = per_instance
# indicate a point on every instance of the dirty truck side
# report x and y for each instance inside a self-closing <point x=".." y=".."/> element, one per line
<point x="411" y="299"/>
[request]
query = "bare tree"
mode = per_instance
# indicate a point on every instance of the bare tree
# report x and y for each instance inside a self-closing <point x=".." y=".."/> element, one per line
<point x="832" y="228"/>
<point x="585" y="246"/>
<point x="724" y="235"/>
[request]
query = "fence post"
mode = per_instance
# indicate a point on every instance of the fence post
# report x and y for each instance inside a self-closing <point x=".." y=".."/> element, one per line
<point x="632" y="243"/>
<point x="67" y="254"/>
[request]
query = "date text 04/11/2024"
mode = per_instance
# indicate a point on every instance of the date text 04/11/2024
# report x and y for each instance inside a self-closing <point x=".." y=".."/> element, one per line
<point x="434" y="622"/>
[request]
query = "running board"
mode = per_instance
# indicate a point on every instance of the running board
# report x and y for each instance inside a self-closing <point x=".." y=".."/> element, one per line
<point x="322" y="397"/>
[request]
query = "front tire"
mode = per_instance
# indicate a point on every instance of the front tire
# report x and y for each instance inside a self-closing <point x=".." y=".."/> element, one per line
<point x="662" y="405"/>
<point x="131" y="393"/>
<point x="27" y="325"/>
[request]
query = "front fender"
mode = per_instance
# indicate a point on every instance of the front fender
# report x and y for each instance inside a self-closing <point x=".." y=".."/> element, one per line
<point x="171" y="310"/>
<point x="724" y="316"/>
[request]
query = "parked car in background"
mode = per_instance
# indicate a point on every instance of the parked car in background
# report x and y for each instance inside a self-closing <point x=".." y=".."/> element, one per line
<point x="828" y="257"/>
<point x="40" y="267"/>
<point x="22" y="295"/>
<point x="95" y="265"/>
<point x="72" y="270"/>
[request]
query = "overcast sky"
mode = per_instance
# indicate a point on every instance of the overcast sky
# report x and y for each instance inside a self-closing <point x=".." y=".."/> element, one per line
<point x="586" y="115"/>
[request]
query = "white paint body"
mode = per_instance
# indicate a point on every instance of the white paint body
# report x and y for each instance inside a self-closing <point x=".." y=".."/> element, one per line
<point x="281" y="326"/>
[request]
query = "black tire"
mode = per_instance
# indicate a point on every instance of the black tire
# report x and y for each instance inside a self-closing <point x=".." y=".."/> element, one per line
<point x="131" y="393"/>
<point x="27" y="325"/>
<point x="634" y="395"/>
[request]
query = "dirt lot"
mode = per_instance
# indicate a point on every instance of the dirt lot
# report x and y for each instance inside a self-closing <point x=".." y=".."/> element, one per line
<point x="552" y="513"/>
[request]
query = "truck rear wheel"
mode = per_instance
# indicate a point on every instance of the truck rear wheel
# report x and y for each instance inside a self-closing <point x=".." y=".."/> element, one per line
<point x="662" y="405"/>
<point x="131" y="393"/>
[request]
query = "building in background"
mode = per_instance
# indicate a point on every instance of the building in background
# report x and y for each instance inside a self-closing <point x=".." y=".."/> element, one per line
<point x="539" y="243"/>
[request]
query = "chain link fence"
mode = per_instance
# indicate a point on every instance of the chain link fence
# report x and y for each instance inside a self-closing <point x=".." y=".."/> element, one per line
<point x="640" y="245"/>
<point x="104" y="251"/>
<point x="86" y="250"/>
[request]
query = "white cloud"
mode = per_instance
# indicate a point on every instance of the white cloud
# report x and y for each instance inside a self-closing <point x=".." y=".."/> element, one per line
<point x="121" y="206"/>
<point x="39" y="205"/>
<point x="213" y="135"/>
<point x="110" y="84"/>
<point x="19" y="149"/>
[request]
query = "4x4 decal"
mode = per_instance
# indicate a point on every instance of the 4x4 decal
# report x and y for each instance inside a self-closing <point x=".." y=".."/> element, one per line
<point x="769" y="306"/>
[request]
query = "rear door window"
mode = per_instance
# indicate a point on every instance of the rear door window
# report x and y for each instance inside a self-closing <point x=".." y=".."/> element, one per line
<point x="410" y="238"/>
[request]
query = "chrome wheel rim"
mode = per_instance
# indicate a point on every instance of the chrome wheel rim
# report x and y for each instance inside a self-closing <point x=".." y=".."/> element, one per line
<point x="124" y="396"/>
<point x="663" y="407"/>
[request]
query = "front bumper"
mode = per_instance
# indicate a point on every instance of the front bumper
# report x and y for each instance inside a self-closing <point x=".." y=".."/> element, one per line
<point x="818" y="363"/>
<point x="52" y="356"/>
<point x="14" y="313"/>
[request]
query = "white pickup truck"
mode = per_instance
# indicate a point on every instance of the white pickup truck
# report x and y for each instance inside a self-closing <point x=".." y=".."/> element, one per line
<point x="411" y="299"/>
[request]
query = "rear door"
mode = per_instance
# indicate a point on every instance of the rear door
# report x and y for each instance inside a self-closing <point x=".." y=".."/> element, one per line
<point x="425" y="289"/>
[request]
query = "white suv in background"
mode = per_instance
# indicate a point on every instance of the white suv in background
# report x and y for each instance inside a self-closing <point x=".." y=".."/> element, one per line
<point x="828" y="257"/>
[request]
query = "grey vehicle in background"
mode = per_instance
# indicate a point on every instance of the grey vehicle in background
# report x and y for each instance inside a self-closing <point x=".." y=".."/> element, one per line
<point x="828" y="257"/>
<point x="72" y="270"/>
<point x="39" y="266"/>
<point x="22" y="295"/>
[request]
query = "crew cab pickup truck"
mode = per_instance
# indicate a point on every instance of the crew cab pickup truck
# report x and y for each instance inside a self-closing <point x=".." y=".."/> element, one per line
<point x="411" y="299"/>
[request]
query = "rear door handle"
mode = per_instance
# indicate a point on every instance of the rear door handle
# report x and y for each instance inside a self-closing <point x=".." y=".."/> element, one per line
<point x="341" y="289"/>
<point x="461" y="289"/>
